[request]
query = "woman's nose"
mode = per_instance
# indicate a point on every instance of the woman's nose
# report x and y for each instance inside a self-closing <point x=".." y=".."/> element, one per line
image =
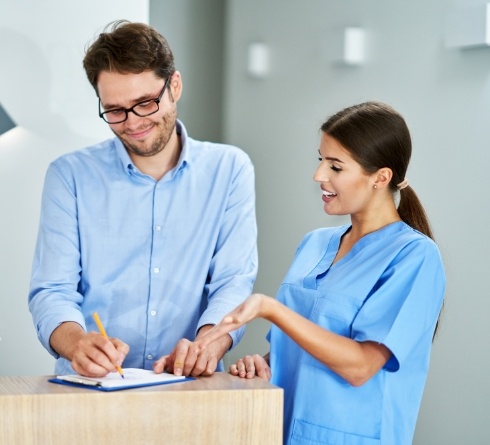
<point x="320" y="174"/>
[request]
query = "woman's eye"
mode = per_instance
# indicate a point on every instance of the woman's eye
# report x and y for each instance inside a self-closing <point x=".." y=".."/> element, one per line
<point x="335" y="169"/>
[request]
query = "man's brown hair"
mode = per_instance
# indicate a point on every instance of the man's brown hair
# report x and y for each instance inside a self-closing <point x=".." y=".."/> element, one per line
<point x="126" y="47"/>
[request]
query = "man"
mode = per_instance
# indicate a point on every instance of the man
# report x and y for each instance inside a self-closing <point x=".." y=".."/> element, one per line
<point x="153" y="230"/>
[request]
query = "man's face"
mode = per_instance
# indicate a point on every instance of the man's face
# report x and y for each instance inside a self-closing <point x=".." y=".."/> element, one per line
<point x="142" y="136"/>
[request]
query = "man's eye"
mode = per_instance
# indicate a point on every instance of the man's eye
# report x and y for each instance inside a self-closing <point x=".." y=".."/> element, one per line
<point x="116" y="112"/>
<point x="144" y="104"/>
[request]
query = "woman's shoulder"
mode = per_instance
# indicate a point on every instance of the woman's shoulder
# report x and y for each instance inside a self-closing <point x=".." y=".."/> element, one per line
<point x="415" y="247"/>
<point x="409" y="235"/>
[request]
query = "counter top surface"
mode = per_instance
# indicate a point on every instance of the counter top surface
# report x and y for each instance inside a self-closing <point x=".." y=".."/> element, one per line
<point x="29" y="385"/>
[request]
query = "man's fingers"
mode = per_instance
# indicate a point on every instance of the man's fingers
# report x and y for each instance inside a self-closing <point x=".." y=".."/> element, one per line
<point x="183" y="356"/>
<point x="90" y="366"/>
<point x="160" y="365"/>
<point x="107" y="358"/>
<point x="205" y="365"/>
<point x="121" y="347"/>
<point x="96" y="356"/>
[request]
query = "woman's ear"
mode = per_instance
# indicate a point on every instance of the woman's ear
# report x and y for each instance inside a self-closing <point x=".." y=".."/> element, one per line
<point x="383" y="177"/>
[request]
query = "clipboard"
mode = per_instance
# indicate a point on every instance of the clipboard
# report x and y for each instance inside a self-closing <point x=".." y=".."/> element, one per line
<point x="133" y="378"/>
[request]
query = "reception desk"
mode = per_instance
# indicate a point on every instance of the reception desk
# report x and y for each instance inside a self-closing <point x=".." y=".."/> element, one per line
<point x="221" y="409"/>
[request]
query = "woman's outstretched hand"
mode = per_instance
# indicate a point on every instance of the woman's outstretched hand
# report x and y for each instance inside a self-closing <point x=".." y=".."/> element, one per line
<point x="255" y="306"/>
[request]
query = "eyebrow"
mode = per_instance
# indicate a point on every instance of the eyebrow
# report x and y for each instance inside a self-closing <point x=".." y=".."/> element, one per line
<point x="328" y="158"/>
<point x="334" y="160"/>
<point x="133" y="102"/>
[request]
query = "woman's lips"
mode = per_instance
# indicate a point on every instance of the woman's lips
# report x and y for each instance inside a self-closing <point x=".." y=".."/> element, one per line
<point x="327" y="196"/>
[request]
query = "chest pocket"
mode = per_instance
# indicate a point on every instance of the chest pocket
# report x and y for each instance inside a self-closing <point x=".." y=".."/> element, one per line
<point x="334" y="312"/>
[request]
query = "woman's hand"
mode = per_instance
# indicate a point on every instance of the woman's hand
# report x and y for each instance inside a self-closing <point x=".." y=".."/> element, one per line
<point x="252" y="365"/>
<point x="255" y="306"/>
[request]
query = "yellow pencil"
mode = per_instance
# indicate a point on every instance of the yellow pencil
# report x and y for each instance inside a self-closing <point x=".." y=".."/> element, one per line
<point x="104" y="333"/>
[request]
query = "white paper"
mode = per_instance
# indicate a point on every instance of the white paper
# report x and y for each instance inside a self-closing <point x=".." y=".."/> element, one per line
<point x="132" y="377"/>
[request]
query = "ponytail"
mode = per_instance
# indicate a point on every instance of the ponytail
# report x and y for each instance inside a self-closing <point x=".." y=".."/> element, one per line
<point x="412" y="212"/>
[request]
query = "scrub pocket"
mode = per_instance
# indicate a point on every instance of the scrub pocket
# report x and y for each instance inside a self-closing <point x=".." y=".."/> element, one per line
<point x="304" y="433"/>
<point x="335" y="312"/>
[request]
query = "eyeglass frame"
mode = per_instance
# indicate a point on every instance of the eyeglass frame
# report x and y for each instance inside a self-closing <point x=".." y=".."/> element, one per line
<point x="128" y="110"/>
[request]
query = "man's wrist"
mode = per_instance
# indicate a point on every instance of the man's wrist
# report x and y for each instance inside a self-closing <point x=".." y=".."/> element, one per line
<point x="224" y="343"/>
<point x="64" y="337"/>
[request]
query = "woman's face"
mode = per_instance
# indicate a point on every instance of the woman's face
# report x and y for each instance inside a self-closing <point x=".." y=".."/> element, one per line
<point x="346" y="188"/>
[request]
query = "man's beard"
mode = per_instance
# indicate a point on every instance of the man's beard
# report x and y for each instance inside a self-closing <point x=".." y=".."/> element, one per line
<point x="166" y="127"/>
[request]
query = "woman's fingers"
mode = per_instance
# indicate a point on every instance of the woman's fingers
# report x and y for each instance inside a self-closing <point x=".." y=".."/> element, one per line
<point x="251" y="366"/>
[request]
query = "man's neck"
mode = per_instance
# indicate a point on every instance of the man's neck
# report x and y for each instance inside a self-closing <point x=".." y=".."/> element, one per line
<point x="158" y="165"/>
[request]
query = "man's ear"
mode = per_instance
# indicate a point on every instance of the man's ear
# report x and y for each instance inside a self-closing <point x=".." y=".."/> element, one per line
<point x="175" y="86"/>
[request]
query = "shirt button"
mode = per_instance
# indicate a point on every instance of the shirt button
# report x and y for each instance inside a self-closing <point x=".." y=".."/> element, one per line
<point x="156" y="270"/>
<point x="153" y="313"/>
<point x="158" y="228"/>
<point x="149" y="357"/>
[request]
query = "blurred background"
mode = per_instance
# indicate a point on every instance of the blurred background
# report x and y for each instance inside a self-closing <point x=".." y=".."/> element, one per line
<point x="264" y="75"/>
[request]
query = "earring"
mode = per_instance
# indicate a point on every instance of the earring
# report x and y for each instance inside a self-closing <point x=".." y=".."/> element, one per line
<point x="375" y="186"/>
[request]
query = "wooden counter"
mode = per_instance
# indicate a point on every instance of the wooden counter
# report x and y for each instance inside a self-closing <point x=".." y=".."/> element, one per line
<point x="221" y="409"/>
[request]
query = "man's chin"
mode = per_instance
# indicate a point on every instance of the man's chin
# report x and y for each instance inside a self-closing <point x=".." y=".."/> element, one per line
<point x="144" y="150"/>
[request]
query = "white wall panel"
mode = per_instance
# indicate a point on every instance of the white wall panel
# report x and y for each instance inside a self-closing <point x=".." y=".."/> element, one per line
<point x="44" y="89"/>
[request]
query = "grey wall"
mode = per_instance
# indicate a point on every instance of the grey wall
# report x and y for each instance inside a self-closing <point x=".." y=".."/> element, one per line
<point x="195" y="30"/>
<point x="444" y="95"/>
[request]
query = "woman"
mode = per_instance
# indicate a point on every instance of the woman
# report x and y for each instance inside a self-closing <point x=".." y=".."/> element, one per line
<point x="353" y="321"/>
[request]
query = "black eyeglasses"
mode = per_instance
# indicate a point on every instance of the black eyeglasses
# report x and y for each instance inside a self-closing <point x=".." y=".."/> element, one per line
<point x="141" y="109"/>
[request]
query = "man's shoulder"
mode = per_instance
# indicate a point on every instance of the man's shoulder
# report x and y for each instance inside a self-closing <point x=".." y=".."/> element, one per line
<point x="94" y="153"/>
<point x="216" y="151"/>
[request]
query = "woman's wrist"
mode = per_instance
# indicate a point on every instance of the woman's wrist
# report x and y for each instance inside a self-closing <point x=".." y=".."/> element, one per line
<point x="268" y="307"/>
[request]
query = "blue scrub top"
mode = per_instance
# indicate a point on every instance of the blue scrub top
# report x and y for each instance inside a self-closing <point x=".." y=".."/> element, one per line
<point x="389" y="289"/>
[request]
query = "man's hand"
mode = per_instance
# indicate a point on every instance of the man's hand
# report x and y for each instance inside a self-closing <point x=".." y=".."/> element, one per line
<point x="91" y="354"/>
<point x="188" y="358"/>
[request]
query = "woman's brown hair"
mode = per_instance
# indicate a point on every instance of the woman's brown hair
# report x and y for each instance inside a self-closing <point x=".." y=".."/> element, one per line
<point x="377" y="136"/>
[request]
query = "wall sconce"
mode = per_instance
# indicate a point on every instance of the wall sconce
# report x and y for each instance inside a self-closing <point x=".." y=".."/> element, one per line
<point x="468" y="27"/>
<point x="6" y="122"/>
<point x="258" y="60"/>
<point x="354" y="46"/>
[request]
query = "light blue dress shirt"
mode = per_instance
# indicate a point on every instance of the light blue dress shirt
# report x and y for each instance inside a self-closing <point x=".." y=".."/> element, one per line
<point x="388" y="289"/>
<point x="156" y="259"/>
